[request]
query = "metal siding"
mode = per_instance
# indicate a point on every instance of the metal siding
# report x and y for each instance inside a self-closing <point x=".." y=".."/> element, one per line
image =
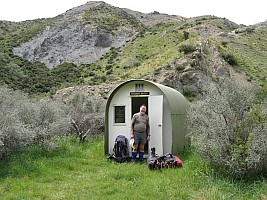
<point x="178" y="106"/>
<point x="179" y="140"/>
<point x="177" y="101"/>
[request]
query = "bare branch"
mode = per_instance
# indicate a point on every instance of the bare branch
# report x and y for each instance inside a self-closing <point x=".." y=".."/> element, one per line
<point x="76" y="127"/>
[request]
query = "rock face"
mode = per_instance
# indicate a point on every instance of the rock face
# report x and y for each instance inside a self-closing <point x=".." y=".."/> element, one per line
<point x="68" y="39"/>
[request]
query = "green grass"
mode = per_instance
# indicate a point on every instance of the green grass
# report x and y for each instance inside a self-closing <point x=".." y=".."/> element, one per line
<point x="81" y="171"/>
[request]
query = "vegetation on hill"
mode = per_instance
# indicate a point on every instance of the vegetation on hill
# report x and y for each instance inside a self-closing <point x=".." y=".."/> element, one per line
<point x="137" y="58"/>
<point x="111" y="18"/>
<point x="18" y="73"/>
<point x="249" y="48"/>
<point x="154" y="48"/>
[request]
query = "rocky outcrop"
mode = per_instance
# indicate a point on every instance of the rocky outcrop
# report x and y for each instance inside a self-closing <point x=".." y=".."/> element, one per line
<point x="68" y="39"/>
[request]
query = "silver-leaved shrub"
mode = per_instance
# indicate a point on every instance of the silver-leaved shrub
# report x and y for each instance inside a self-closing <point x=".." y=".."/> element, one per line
<point x="26" y="121"/>
<point x="228" y="128"/>
<point x="86" y="114"/>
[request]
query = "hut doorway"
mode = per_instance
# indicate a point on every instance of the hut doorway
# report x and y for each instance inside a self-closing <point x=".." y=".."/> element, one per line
<point x="136" y="103"/>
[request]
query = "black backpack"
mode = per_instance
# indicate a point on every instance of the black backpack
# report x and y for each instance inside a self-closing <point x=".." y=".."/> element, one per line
<point x="120" y="149"/>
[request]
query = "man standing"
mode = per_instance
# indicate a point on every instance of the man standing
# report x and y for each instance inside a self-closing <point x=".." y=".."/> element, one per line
<point x="140" y="131"/>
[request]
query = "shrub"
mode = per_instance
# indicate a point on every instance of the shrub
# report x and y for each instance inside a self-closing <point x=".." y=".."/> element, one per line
<point x="186" y="35"/>
<point x="187" y="48"/>
<point x="224" y="43"/>
<point x="230" y="58"/>
<point x="228" y="129"/>
<point x="190" y="95"/>
<point x="86" y="115"/>
<point x="24" y="121"/>
<point x="180" y="67"/>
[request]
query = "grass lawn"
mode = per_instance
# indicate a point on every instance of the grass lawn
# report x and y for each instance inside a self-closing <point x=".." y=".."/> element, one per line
<point x="82" y="171"/>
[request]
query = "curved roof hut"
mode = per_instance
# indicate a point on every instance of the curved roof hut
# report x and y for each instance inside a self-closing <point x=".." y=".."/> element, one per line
<point x="166" y="108"/>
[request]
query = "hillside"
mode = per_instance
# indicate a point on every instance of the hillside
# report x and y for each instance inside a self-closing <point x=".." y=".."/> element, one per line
<point x="98" y="43"/>
<point x="81" y="35"/>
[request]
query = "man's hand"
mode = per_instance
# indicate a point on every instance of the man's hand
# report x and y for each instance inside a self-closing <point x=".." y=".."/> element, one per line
<point x="148" y="138"/>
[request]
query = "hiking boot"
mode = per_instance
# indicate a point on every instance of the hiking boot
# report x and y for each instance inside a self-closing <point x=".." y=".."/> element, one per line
<point x="141" y="157"/>
<point x="134" y="157"/>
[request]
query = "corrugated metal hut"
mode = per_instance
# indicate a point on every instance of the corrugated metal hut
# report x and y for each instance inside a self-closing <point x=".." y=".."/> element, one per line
<point x="166" y="108"/>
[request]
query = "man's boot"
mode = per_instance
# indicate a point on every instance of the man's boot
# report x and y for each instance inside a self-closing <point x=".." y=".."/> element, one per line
<point x="134" y="157"/>
<point x="141" y="157"/>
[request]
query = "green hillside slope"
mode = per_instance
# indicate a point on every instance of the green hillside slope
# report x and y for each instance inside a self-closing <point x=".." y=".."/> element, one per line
<point x="152" y="49"/>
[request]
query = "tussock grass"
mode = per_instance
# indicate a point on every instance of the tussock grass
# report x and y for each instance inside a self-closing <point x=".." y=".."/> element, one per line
<point x="81" y="171"/>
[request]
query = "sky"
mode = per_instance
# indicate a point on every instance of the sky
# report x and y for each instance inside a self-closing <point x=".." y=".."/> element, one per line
<point x="247" y="12"/>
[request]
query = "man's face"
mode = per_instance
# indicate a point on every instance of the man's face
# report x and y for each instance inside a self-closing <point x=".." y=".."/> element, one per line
<point x="143" y="109"/>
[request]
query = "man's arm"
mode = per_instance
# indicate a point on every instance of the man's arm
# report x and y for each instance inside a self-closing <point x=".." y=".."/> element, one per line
<point x="132" y="127"/>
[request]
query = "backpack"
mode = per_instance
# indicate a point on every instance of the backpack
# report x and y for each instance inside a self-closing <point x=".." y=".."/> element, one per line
<point x="156" y="162"/>
<point x="120" y="150"/>
<point x="152" y="160"/>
